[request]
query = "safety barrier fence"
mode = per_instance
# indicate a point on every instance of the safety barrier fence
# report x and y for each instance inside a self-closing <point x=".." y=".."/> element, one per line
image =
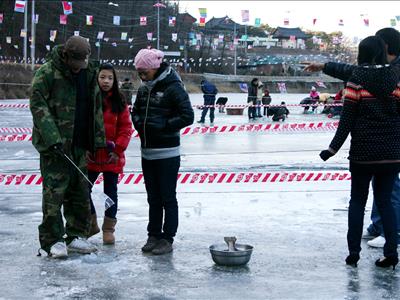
<point x="26" y="105"/>
<point x="188" y="178"/>
<point x="18" y="134"/>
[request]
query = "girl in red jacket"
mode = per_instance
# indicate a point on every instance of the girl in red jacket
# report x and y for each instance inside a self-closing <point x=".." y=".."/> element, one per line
<point x="110" y="160"/>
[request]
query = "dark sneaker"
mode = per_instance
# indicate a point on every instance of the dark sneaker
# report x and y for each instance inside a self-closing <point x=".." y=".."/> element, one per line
<point x="162" y="247"/>
<point x="150" y="244"/>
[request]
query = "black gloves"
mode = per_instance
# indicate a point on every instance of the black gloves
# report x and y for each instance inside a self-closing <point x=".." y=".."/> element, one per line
<point x="326" y="154"/>
<point x="57" y="148"/>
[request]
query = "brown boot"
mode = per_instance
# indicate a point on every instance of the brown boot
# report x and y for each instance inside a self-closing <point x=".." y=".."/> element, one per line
<point x="94" y="227"/>
<point x="108" y="230"/>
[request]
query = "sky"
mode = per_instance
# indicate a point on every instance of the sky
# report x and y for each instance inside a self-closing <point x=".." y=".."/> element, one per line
<point x="302" y="13"/>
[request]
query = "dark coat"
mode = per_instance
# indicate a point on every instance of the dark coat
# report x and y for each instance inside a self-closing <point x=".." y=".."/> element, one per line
<point x="159" y="113"/>
<point x="371" y="113"/>
<point x="209" y="90"/>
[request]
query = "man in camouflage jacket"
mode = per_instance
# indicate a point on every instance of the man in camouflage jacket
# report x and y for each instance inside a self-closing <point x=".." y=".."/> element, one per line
<point x="67" y="119"/>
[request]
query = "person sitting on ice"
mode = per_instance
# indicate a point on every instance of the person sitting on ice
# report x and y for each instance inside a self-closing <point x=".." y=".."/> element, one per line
<point x="278" y="113"/>
<point x="314" y="96"/>
<point x="221" y="102"/>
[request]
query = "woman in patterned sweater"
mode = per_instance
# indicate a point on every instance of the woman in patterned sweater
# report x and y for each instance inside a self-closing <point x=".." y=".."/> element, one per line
<point x="371" y="113"/>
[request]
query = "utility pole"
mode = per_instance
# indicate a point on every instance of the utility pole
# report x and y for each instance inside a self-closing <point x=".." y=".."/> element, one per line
<point x="26" y="34"/>
<point x="33" y="36"/>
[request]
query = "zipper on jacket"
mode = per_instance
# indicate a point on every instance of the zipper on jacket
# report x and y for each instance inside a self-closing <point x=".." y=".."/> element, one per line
<point x="145" y="119"/>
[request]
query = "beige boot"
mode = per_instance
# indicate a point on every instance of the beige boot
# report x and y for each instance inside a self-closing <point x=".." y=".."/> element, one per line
<point x="94" y="227"/>
<point x="108" y="230"/>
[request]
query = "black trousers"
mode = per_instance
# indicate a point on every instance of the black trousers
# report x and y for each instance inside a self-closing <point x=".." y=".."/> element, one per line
<point x="110" y="189"/>
<point x="160" y="177"/>
<point x="384" y="177"/>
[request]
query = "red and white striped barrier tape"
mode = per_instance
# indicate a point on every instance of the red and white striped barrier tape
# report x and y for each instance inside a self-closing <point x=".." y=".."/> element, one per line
<point x="14" y="105"/>
<point x="11" y="130"/>
<point x="20" y="105"/>
<point x="192" y="130"/>
<point x="201" y="178"/>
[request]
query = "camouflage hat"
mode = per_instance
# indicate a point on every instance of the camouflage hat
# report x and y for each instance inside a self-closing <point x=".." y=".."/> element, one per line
<point x="78" y="51"/>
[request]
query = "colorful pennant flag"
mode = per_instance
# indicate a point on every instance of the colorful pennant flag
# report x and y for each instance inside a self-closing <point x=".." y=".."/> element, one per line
<point x="393" y="22"/>
<point x="89" y="20"/>
<point x="257" y="22"/>
<point x="23" y="33"/>
<point x="117" y="20"/>
<point x="1" y="18"/>
<point x="19" y="6"/>
<point x="100" y="35"/>
<point x="149" y="36"/>
<point x="245" y="16"/>
<point x="67" y="7"/>
<point x="366" y="22"/>
<point x="203" y="12"/>
<point x="286" y="21"/>
<point x="53" y="35"/>
<point x="143" y="21"/>
<point x="171" y="21"/>
<point x="314" y="21"/>
<point x="202" y="22"/>
<point x="63" y="19"/>
<point x="159" y="5"/>
<point x="398" y="18"/>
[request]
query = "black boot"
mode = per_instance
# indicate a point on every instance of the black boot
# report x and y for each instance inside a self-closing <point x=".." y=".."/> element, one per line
<point x="352" y="259"/>
<point x="386" y="262"/>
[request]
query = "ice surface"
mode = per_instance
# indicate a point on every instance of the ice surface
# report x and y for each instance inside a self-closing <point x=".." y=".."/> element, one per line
<point x="298" y="229"/>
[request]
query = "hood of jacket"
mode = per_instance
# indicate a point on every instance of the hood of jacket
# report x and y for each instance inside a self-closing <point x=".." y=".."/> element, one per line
<point x="379" y="80"/>
<point x="57" y="57"/>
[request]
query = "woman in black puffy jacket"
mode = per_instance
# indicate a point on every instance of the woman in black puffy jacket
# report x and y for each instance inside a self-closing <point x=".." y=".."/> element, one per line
<point x="162" y="108"/>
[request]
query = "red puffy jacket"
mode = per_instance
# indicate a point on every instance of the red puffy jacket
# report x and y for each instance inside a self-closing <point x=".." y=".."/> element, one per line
<point x="118" y="129"/>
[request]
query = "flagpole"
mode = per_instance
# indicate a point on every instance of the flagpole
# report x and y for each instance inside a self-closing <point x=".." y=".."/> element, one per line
<point x="158" y="27"/>
<point x="33" y="36"/>
<point x="26" y="33"/>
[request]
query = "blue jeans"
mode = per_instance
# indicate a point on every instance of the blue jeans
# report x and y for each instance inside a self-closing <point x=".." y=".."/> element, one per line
<point x="376" y="228"/>
<point x="205" y="110"/>
<point x="258" y="109"/>
<point x="361" y="177"/>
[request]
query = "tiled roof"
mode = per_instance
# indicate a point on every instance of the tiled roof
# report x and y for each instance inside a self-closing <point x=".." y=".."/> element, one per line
<point x="282" y="32"/>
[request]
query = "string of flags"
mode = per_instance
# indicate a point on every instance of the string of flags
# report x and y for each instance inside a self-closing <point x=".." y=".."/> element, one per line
<point x="67" y="7"/>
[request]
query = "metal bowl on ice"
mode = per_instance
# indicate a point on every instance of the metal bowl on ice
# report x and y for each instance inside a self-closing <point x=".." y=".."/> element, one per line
<point x="222" y="256"/>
